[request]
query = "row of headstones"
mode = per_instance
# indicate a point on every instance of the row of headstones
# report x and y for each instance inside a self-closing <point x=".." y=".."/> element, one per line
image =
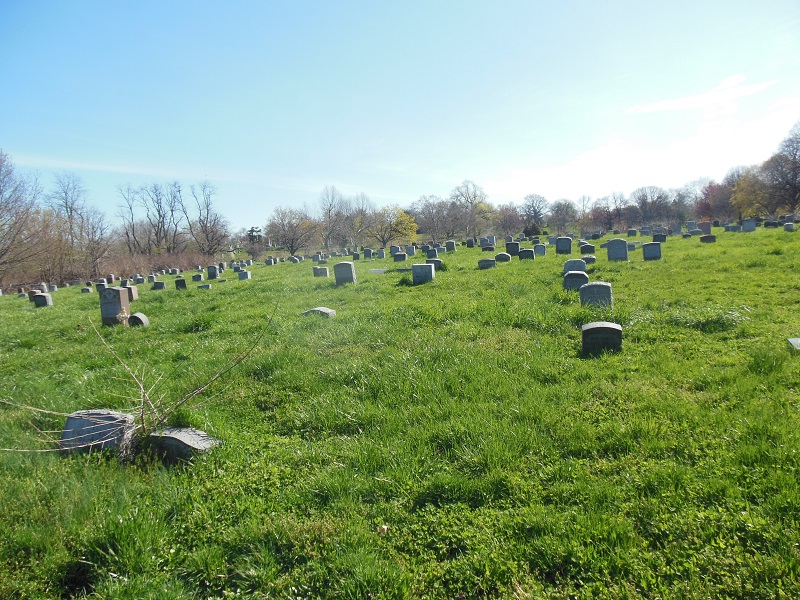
<point x="345" y="272"/>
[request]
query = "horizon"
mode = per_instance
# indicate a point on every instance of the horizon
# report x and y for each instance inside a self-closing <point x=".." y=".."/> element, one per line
<point x="271" y="103"/>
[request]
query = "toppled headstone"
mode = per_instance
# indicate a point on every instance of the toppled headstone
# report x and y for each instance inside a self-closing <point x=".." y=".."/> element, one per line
<point x="138" y="320"/>
<point x="90" y="430"/>
<point x="173" y="444"/>
<point x="320" y="310"/>
<point x="794" y="344"/>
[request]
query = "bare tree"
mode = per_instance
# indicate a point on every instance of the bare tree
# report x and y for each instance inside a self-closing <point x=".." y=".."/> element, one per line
<point x="562" y="213"/>
<point x="292" y="229"/>
<point x="358" y="215"/>
<point x="18" y="200"/>
<point x="431" y="213"/>
<point x="393" y="224"/>
<point x="331" y="215"/>
<point x="534" y="209"/>
<point x="472" y="199"/>
<point x="207" y="228"/>
<point x="508" y="219"/>
<point x="652" y="202"/>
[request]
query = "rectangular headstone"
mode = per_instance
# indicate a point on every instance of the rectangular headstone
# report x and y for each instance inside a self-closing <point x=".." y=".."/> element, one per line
<point x="596" y="293"/>
<point x="617" y="249"/>
<point x="422" y="273"/>
<point x="115" y="306"/>
<point x="344" y="272"/>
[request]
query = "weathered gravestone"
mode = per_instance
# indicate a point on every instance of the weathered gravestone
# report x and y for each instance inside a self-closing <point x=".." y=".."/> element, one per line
<point x="597" y="293"/>
<point x="213" y="272"/>
<point x="41" y="299"/>
<point x="159" y="285"/>
<point x="575" y="264"/>
<point x="660" y="237"/>
<point x="86" y="290"/>
<point x="512" y="248"/>
<point x="589" y="259"/>
<point x="502" y="257"/>
<point x="651" y="251"/>
<point x="436" y="262"/>
<point x="487" y="263"/>
<point x="564" y="245"/>
<point x="708" y="239"/>
<point x="115" y="306"/>
<point x="422" y="273"/>
<point x="487" y="248"/>
<point x="50" y="288"/>
<point x="540" y="249"/>
<point x="133" y="292"/>
<point x="321" y="311"/>
<point x="411" y="250"/>
<point x="705" y="227"/>
<point x="617" y="249"/>
<point x="601" y="336"/>
<point x="527" y="253"/>
<point x="433" y="253"/>
<point x="400" y="256"/>
<point x="321" y="272"/>
<point x="96" y="429"/>
<point x="788" y="226"/>
<point x="367" y="254"/>
<point x="174" y="444"/>
<point x="377" y="271"/>
<point x="450" y="245"/>
<point x="586" y="249"/>
<point x="573" y="280"/>
<point x="197" y="277"/>
<point x="138" y="320"/>
<point x="381" y="253"/>
<point x="632" y="233"/>
<point x="470" y="243"/>
<point x="344" y="272"/>
<point x="204" y="286"/>
<point x="180" y="284"/>
<point x="245" y="275"/>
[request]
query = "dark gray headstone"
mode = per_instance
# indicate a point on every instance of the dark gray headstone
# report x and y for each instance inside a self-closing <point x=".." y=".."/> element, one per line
<point x="487" y="263"/>
<point x="651" y="251"/>
<point x="180" y="284"/>
<point x="564" y="245"/>
<point x="422" y="273"/>
<point x="344" y="272"/>
<point x="527" y="253"/>
<point x="573" y="280"/>
<point x="596" y="293"/>
<point x="115" y="306"/>
<point x="138" y="320"/>
<point x="502" y="257"/>
<point x="601" y="336"/>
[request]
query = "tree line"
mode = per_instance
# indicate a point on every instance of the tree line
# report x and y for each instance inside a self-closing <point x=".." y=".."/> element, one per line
<point x="55" y="235"/>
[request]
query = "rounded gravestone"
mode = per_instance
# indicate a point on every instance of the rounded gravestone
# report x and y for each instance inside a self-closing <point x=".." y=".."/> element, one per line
<point x="601" y="336"/>
<point x="138" y="320"/>
<point x="502" y="257"/>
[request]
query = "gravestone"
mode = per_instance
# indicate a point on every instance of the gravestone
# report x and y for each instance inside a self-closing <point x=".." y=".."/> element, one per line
<point x="788" y="226"/>
<point x="794" y="344"/>
<point x="133" y="292"/>
<point x="321" y="311"/>
<point x="705" y="227"/>
<point x="691" y="225"/>
<point x="381" y="253"/>
<point x="159" y="285"/>
<point x="450" y="245"/>
<point x="115" y="306"/>
<point x="294" y="260"/>
<point x="245" y="275"/>
<point x="394" y="250"/>
<point x="367" y="254"/>
<point x="31" y="294"/>
<point x="213" y="272"/>
<point x="564" y="245"/>
<point x="436" y="262"/>
<point x="151" y="279"/>
<point x="487" y="263"/>
<point x="138" y="320"/>
<point x="540" y="249"/>
<point x="512" y="248"/>
<point x="575" y="264"/>
<point x="487" y="248"/>
<point x="651" y="251"/>
<point x="597" y="293"/>
<point x="400" y="256"/>
<point x="321" y="272"/>
<point x="573" y="280"/>
<point x="344" y="272"/>
<point x="527" y="253"/>
<point x="51" y="288"/>
<point x="589" y="259"/>
<point x="586" y="249"/>
<point x="138" y="280"/>
<point x="660" y="237"/>
<point x="502" y="257"/>
<point x="86" y="290"/>
<point x="197" y="277"/>
<point x="617" y="249"/>
<point x="96" y="429"/>
<point x="100" y="287"/>
<point x="204" y="286"/>
<point x="470" y="243"/>
<point x="708" y="239"/>
<point x="175" y="444"/>
<point x="509" y="238"/>
<point x="180" y="284"/>
<point x="433" y="253"/>
<point x="411" y="250"/>
<point x="422" y="273"/>
<point x="601" y="336"/>
<point x="377" y="271"/>
<point x="632" y="233"/>
<point x="41" y="299"/>
<point x="551" y="240"/>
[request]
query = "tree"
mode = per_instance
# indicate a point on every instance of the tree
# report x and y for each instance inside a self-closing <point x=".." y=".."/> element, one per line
<point x="18" y="202"/>
<point x="750" y="195"/>
<point x="534" y="210"/>
<point x="431" y="213"/>
<point x="293" y="229"/>
<point x="472" y="199"/>
<point x="507" y="219"/>
<point x="393" y="224"/>
<point x="562" y="213"/>
<point x="331" y="215"/>
<point x="652" y="202"/>
<point x="207" y="228"/>
<point x="781" y="172"/>
<point x="358" y="214"/>
<point x="153" y="218"/>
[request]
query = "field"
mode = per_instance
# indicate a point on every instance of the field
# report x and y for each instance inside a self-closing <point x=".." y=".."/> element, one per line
<point x="443" y="440"/>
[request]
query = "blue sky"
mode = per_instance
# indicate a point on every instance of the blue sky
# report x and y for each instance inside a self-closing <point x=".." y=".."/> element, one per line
<point x="272" y="101"/>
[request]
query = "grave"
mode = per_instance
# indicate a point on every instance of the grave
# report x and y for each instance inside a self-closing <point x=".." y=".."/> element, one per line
<point x="788" y="226"/>
<point x="564" y="245"/>
<point x="589" y="259"/>
<point x="400" y="257"/>
<point x="114" y="306"/>
<point x="575" y="264"/>
<point x="245" y="275"/>
<point x="175" y="444"/>
<point x="138" y="280"/>
<point x="321" y="311"/>
<point x="180" y="284"/>
<point x="96" y="429"/>
<point x="197" y="277"/>
<point x="204" y="286"/>
<point x="794" y="344"/>
<point x="133" y="292"/>
<point x="502" y="257"/>
<point x="450" y="245"/>
<point x="660" y="237"/>
<point x="159" y="285"/>
<point x="632" y="233"/>
<point x="487" y="248"/>
<point x="436" y="262"/>
<point x="597" y="293"/>
<point x="433" y="253"/>
<point x="381" y="253"/>
<point x="651" y="251"/>
<point x="586" y="249"/>
<point x="691" y="225"/>
<point x="617" y="249"/>
<point x="367" y="254"/>
<point x="41" y="299"/>
<point x="411" y="250"/>
<point x="601" y="336"/>
<point x="213" y="271"/>
<point x="708" y="239"/>
<point x="344" y="272"/>
<point x="52" y="288"/>
<point x="138" y="320"/>
<point x="512" y="248"/>
<point x="573" y="280"/>
<point x="422" y="273"/>
<point x="470" y="243"/>
<point x="377" y="271"/>
<point x="527" y="253"/>
<point x="540" y="249"/>
<point x="487" y="263"/>
<point x="551" y="240"/>
<point x="705" y="227"/>
<point x="86" y="290"/>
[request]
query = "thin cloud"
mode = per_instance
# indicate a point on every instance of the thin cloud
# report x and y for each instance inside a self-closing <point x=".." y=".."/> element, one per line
<point x="730" y="89"/>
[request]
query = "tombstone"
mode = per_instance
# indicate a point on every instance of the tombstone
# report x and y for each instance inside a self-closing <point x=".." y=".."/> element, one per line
<point x="394" y="250"/>
<point x="237" y="269"/>
<point x="180" y="284"/>
<point x="400" y="256"/>
<point x="651" y="251"/>
<point x="794" y="345"/>
<point x="197" y="277"/>
<point x="411" y="250"/>
<point x="86" y="290"/>
<point x="138" y="280"/>
<point x="381" y="253"/>
<point x="601" y="336"/>
<point x="100" y="287"/>
<point x="175" y="444"/>
<point x="213" y="272"/>
<point x="540" y="249"/>
<point x="138" y="320"/>
<point x="512" y="248"/>
<point x="586" y="249"/>
<point x="564" y="245"/>
<point x="596" y="293"/>
<point x="367" y="254"/>
<point x="470" y="243"/>
<point x="114" y="306"/>
<point x="617" y="249"/>
<point x="645" y="231"/>
<point x="422" y="273"/>
<point x="102" y="280"/>
<point x="492" y="240"/>
<point x="573" y="280"/>
<point x="575" y="264"/>
<point x="691" y="225"/>
<point x="527" y="253"/>
<point x="788" y="226"/>
<point x="322" y="311"/>
<point x="51" y="288"/>
<point x="245" y="275"/>
<point x="159" y="285"/>
<point x="536" y="240"/>
<point x="509" y="238"/>
<point x="632" y="233"/>
<point x="487" y="248"/>
<point x="589" y="259"/>
<point x="450" y="245"/>
<point x="133" y="292"/>
<point x="41" y="299"/>
<point x="249" y="262"/>
<point x="705" y="227"/>
<point x="344" y="272"/>
<point x="151" y="279"/>
<point x="502" y="257"/>
<point x="321" y="272"/>
<point x="294" y="260"/>
<point x="436" y="262"/>
<point x="31" y="294"/>
<point x="24" y="295"/>
<point x="748" y="225"/>
<point x="96" y="429"/>
<point x="487" y="263"/>
<point x="221" y="267"/>
<point x="433" y="253"/>
<point x="660" y="237"/>
<point x="204" y="286"/>
<point x="708" y="239"/>
<point x="631" y="246"/>
<point x="377" y="271"/>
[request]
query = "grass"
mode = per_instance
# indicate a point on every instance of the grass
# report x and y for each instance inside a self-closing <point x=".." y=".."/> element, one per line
<point x="440" y="440"/>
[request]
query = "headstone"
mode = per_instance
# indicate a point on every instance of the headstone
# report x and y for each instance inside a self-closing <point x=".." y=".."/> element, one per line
<point x="381" y="253"/>
<point x="213" y="272"/>
<point x="708" y="239"/>
<point x="540" y="249"/>
<point x="450" y="245"/>
<point x="91" y="430"/>
<point x="527" y="253"/>
<point x="651" y="251"/>
<point x="344" y="272"/>
<point x="411" y="250"/>
<point x="487" y="248"/>
<point x="377" y="271"/>
<point x="197" y="277"/>
<point x="367" y="254"/>
<point x="115" y="307"/>
<point x="788" y="226"/>
<point x="601" y="336"/>
<point x="794" y="344"/>
<point x="502" y="257"/>
<point x="436" y="262"/>
<point x="512" y="248"/>
<point x="596" y="293"/>
<point x="138" y="280"/>
<point x="422" y="273"/>
<point x="321" y="272"/>
<point x="245" y="275"/>
<point x="509" y="238"/>
<point x="50" y="288"/>
<point x="470" y="243"/>
<point x="41" y="299"/>
<point x="180" y="284"/>
<point x="660" y="237"/>
<point x="589" y="259"/>
<point x="394" y="250"/>
<point x="433" y="253"/>
<point x="573" y="280"/>
<point x="151" y="279"/>
<point x="133" y="292"/>
<point x="617" y="249"/>
<point x="575" y="264"/>
<point x="321" y="311"/>
<point x="691" y="225"/>
<point x="586" y="249"/>
<point x="86" y="290"/>
<point x="159" y="285"/>
<point x="564" y="245"/>
<point x="204" y="286"/>
<point x="487" y="263"/>
<point x="138" y="320"/>
<point x="294" y="260"/>
<point x="705" y="227"/>
<point x="400" y="256"/>
<point x="632" y="233"/>
<point x="174" y="444"/>
<point x="31" y="294"/>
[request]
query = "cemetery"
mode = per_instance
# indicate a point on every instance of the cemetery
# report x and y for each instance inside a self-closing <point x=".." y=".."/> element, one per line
<point x="464" y="427"/>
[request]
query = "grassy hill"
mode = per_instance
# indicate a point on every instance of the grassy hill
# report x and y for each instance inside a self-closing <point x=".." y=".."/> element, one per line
<point x="443" y="440"/>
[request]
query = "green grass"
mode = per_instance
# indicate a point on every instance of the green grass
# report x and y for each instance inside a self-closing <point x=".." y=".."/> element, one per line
<point x="459" y="414"/>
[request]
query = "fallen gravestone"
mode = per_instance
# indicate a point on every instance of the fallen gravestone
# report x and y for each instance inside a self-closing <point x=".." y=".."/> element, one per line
<point x="320" y="310"/>
<point x="96" y="429"/>
<point x="174" y="444"/>
<point x="138" y="320"/>
<point x="502" y="257"/>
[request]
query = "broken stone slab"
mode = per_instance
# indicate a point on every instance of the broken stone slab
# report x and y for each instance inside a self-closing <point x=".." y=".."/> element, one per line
<point x="794" y="344"/>
<point x="138" y="320"/>
<point x="173" y="444"/>
<point x="96" y="429"/>
<point x="320" y="310"/>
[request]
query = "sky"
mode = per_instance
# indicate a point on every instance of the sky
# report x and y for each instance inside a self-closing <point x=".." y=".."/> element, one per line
<point x="271" y="101"/>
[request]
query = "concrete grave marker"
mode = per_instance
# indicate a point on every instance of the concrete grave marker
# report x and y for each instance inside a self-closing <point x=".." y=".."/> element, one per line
<point x="159" y="285"/>
<point x="174" y="444"/>
<point x="197" y="277"/>
<point x="597" y="293"/>
<point x="436" y="262"/>
<point x="422" y="273"/>
<point x="344" y="272"/>
<point x="41" y="299"/>
<point x="708" y="239"/>
<point x="487" y="263"/>
<point x="450" y="245"/>
<point x="601" y="336"/>
<point x="527" y="253"/>
<point x="138" y="320"/>
<point x="651" y="251"/>
<point x="180" y="284"/>
<point x="245" y="275"/>
<point x="115" y="306"/>
<point x="96" y="429"/>
<point x="573" y="280"/>
<point x="321" y="311"/>
<point x="540" y="249"/>
<point x="400" y="256"/>
<point x="512" y="248"/>
<point x="575" y="264"/>
<point x="564" y="245"/>
<point x="617" y="249"/>
<point x="502" y="257"/>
